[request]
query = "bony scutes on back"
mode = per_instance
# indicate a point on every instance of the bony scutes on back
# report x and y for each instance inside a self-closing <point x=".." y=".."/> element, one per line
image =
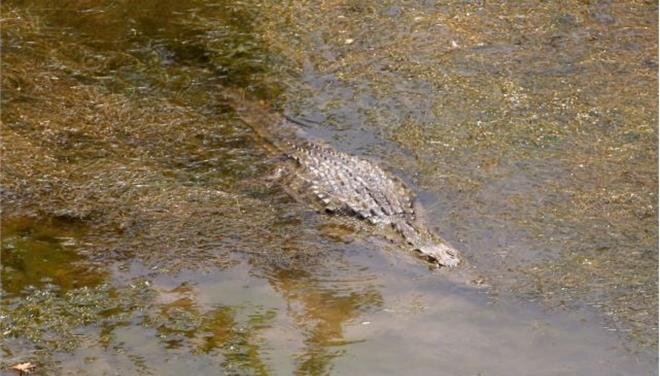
<point x="350" y="185"/>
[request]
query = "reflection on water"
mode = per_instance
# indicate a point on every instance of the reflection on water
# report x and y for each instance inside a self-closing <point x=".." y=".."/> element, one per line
<point x="160" y="248"/>
<point x="322" y="309"/>
<point x="398" y="320"/>
<point x="37" y="253"/>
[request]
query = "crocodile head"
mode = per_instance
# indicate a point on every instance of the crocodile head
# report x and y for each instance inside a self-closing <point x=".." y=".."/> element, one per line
<point x="440" y="253"/>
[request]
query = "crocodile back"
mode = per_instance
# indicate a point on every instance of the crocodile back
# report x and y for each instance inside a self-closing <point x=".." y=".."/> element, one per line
<point x="344" y="183"/>
<point x="347" y="183"/>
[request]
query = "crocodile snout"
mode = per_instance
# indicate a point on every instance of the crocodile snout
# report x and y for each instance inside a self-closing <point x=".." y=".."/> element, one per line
<point x="442" y="254"/>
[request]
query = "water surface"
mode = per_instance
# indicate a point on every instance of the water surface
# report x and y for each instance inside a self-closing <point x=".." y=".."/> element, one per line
<point x="141" y="234"/>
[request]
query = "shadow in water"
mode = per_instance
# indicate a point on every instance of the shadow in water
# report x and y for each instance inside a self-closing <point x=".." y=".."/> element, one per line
<point x="322" y="310"/>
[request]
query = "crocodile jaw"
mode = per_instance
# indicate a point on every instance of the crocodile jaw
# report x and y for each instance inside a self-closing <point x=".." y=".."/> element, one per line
<point x="440" y="253"/>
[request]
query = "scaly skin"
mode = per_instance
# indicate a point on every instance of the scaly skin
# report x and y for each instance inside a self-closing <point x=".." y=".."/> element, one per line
<point x="345" y="184"/>
<point x="353" y="186"/>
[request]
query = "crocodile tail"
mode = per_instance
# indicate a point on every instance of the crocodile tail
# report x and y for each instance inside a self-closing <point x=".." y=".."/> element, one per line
<point x="260" y="116"/>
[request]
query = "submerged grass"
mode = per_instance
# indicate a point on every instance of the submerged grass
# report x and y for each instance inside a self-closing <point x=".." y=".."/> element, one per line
<point x="118" y="125"/>
<point x="534" y="124"/>
<point x="152" y="166"/>
<point x="38" y="254"/>
<point x="101" y="130"/>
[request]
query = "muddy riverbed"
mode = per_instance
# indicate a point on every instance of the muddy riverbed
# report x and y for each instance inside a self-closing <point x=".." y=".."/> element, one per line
<point x="142" y="235"/>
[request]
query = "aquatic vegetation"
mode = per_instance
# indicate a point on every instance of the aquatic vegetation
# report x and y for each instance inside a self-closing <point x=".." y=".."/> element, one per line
<point x="529" y="131"/>
<point x="532" y="126"/>
<point x="39" y="254"/>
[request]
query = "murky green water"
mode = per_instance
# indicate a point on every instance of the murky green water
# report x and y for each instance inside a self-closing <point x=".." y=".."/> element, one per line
<point x="140" y="233"/>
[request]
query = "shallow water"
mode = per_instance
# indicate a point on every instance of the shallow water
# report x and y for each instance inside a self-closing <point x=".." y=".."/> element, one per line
<point x="362" y="312"/>
<point x="141" y="234"/>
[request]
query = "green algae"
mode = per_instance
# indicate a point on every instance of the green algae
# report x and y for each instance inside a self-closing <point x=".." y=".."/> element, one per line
<point x="37" y="254"/>
<point x="53" y="321"/>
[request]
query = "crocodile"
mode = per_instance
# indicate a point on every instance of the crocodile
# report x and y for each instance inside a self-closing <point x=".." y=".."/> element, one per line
<point x="350" y="185"/>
